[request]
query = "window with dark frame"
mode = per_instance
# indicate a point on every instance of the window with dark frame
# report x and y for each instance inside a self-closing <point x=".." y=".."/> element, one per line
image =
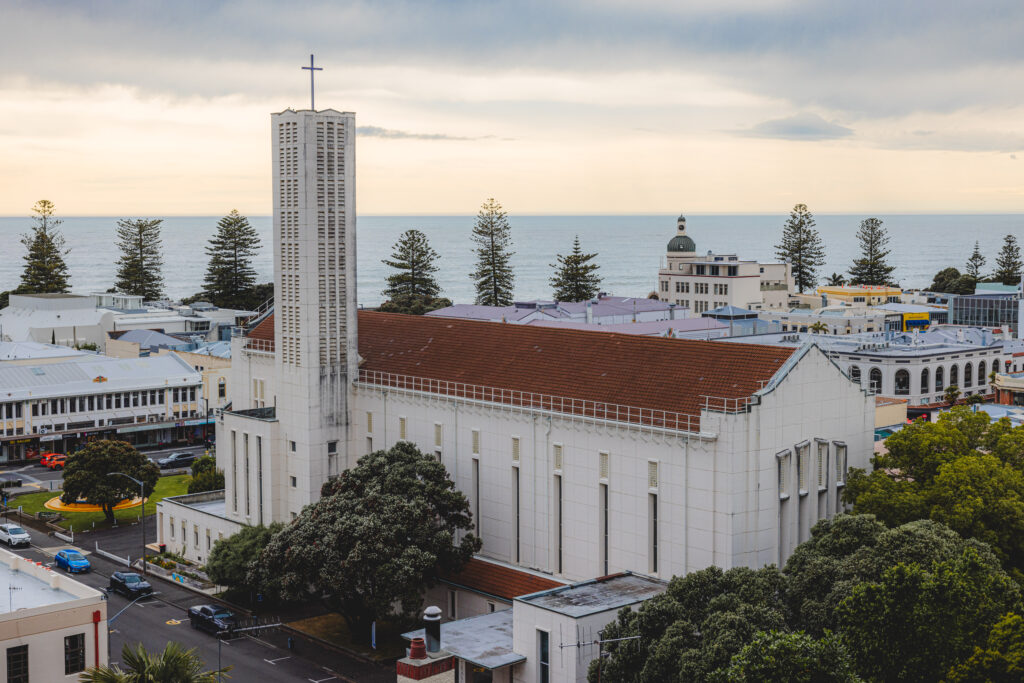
<point x="74" y="653"/>
<point x="17" y="664"/>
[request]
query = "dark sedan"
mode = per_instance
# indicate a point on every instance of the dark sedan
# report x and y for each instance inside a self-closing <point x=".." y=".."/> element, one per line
<point x="176" y="460"/>
<point x="129" y="584"/>
<point x="211" y="618"/>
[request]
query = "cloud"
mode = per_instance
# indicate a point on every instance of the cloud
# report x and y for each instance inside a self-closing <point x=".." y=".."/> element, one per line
<point x="802" y="126"/>
<point x="391" y="134"/>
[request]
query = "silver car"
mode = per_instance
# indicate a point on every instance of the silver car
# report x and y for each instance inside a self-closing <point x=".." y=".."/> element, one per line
<point x="14" y="535"/>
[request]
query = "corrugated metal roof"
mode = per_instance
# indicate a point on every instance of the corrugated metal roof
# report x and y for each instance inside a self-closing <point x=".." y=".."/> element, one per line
<point x="100" y="375"/>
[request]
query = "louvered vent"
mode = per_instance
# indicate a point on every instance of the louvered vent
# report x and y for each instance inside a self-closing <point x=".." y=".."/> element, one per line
<point x="652" y="475"/>
<point x="401" y="429"/>
<point x="515" y="449"/>
<point x="437" y="435"/>
<point x="558" y="456"/>
<point x="369" y="422"/>
<point x="603" y="465"/>
<point x="476" y="442"/>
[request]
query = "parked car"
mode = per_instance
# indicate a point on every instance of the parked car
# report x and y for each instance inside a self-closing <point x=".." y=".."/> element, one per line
<point x="211" y="618"/>
<point x="129" y="584"/>
<point x="71" y="561"/>
<point x="14" y="535"/>
<point x="56" y="462"/>
<point x="176" y="460"/>
<point x="44" y="460"/>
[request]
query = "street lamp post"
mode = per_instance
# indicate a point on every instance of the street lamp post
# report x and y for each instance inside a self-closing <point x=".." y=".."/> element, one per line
<point x="142" y="497"/>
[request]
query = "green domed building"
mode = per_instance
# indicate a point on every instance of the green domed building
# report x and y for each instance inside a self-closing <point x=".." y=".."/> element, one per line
<point x="682" y="243"/>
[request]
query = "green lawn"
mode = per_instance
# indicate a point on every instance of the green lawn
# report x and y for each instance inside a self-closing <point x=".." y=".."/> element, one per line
<point x="79" y="521"/>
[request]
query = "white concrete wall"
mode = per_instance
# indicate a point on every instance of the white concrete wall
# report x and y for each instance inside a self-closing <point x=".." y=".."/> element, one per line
<point x="179" y="526"/>
<point x="568" y="664"/>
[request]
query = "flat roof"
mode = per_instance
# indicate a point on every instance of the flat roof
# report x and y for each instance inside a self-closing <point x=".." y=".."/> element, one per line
<point x="29" y="350"/>
<point x="96" y="374"/>
<point x="597" y="595"/>
<point x="485" y="640"/>
<point x="28" y="587"/>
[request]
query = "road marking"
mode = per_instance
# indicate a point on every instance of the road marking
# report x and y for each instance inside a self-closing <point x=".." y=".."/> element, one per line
<point x="332" y="678"/>
<point x="275" y="661"/>
<point x="173" y="622"/>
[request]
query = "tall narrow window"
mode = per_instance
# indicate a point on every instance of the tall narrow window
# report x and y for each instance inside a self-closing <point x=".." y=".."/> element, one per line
<point x="515" y="449"/>
<point x="234" y="470"/>
<point x="259" y="475"/>
<point x="603" y="490"/>
<point x="476" y="442"/>
<point x="801" y="466"/>
<point x="840" y="464"/>
<point x="783" y="463"/>
<point x="968" y="374"/>
<point x="17" y="664"/>
<point x="369" y="445"/>
<point x="982" y="378"/>
<point x="245" y="451"/>
<point x="902" y="382"/>
<point x="437" y="434"/>
<point x="876" y="380"/>
<point x="855" y="373"/>
<point x="954" y="374"/>
<point x="558" y="524"/>
<point x="822" y="465"/>
<point x="369" y="422"/>
<point x="476" y="494"/>
<point x="940" y="383"/>
<point x="402" y="429"/>
<point x="653" y="531"/>
<point x="543" y="658"/>
<point x="451" y="605"/>
<point x="515" y="489"/>
<point x="926" y="385"/>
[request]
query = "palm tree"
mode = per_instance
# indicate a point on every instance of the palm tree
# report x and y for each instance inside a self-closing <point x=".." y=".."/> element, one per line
<point x="818" y="327"/>
<point x="174" y="665"/>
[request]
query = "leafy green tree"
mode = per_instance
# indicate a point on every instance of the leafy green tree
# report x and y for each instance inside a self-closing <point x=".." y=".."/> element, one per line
<point x="849" y="550"/>
<point x="692" y="630"/>
<point x="835" y="280"/>
<point x="375" y="540"/>
<point x="792" y="657"/>
<point x="230" y="277"/>
<point x="207" y="480"/>
<point x="139" y="267"/>
<point x="1000" y="660"/>
<point x="85" y="475"/>
<point x="575" y="277"/>
<point x="173" y="665"/>
<point x="493" y="239"/>
<point x="203" y="463"/>
<point x="45" y="270"/>
<point x="975" y="399"/>
<point x="1008" y="263"/>
<point x="951" y="281"/>
<point x="802" y="247"/>
<point x="975" y="263"/>
<point x="917" y="621"/>
<point x="415" y="263"/>
<point x="414" y="305"/>
<point x="872" y="268"/>
<point x="232" y="558"/>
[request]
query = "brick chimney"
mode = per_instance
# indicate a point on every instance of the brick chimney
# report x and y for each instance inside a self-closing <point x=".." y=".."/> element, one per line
<point x="427" y="662"/>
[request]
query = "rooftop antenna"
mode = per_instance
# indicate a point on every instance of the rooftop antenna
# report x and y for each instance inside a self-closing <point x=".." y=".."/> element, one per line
<point x="312" y="69"/>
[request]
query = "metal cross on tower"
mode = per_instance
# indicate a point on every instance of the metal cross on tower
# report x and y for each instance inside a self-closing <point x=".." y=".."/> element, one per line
<point x="311" y="70"/>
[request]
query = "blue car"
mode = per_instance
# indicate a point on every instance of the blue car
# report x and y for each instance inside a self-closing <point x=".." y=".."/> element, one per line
<point x="71" y="561"/>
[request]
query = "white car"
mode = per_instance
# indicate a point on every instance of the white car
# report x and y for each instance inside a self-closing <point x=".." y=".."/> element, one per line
<point x="13" y="535"/>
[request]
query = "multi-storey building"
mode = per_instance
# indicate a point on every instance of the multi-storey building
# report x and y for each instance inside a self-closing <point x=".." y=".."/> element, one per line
<point x="701" y="282"/>
<point x="59" y="403"/>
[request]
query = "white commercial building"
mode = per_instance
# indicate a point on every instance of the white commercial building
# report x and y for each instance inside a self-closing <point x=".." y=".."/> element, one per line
<point x="701" y="282"/>
<point x="58" y="404"/>
<point x="603" y="309"/>
<point x="582" y="453"/>
<point x="52" y="627"/>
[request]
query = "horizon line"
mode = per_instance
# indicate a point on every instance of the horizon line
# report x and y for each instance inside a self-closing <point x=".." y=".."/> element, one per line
<point x="556" y="214"/>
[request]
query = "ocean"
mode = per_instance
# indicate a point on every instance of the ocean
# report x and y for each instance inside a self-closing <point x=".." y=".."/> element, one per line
<point x="629" y="248"/>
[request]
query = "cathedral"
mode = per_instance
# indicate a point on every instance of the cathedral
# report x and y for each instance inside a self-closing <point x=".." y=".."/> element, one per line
<point x="582" y="454"/>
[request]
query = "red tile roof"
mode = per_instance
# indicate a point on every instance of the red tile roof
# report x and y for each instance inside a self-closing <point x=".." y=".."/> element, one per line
<point x="646" y="372"/>
<point x="263" y="333"/>
<point x="497" y="580"/>
<point x="652" y="373"/>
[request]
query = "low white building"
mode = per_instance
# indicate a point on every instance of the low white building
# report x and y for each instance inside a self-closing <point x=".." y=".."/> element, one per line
<point x="52" y="627"/>
<point x="603" y="309"/>
<point x="701" y="282"/>
<point x="66" y="319"/>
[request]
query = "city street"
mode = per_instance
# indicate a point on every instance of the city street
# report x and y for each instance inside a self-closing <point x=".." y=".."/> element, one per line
<point x="156" y="621"/>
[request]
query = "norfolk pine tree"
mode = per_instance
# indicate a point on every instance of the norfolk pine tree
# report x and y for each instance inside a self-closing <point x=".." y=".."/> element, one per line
<point x="872" y="268"/>
<point x="575" y="278"/>
<point x="1008" y="263"/>
<point x="414" y="260"/>
<point x="230" y="276"/>
<point x="139" y="268"/>
<point x="975" y="263"/>
<point x="801" y="246"/>
<point x="493" y="274"/>
<point x="45" y="270"/>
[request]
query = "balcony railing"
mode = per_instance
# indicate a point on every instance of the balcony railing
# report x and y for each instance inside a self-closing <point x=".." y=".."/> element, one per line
<point x="525" y="400"/>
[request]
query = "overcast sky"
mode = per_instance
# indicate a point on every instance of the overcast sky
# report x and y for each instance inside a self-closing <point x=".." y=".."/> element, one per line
<point x="578" y="106"/>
